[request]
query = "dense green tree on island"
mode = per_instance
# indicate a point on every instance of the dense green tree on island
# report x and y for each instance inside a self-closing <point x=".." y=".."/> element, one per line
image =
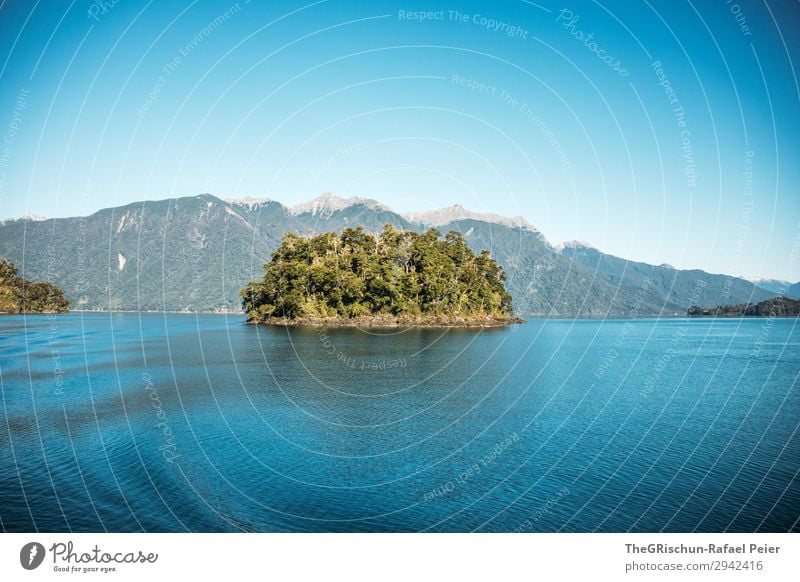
<point x="18" y="295"/>
<point x="396" y="273"/>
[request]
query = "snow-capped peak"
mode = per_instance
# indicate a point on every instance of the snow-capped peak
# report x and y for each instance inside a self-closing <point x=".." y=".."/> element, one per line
<point x="248" y="201"/>
<point x="458" y="212"/>
<point x="31" y="217"/>
<point x="327" y="204"/>
<point x="573" y="244"/>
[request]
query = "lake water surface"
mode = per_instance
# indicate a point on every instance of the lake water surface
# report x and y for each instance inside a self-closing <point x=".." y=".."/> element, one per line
<point x="153" y="422"/>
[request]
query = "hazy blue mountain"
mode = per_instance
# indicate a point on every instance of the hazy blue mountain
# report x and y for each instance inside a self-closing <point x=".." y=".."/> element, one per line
<point x="196" y="253"/>
<point x="774" y="286"/>
<point x="779" y="287"/>
<point x="794" y="291"/>
<point x="543" y="282"/>
<point x="681" y="288"/>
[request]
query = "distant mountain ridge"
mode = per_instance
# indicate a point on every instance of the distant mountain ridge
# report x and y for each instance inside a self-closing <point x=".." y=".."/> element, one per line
<point x="458" y="212"/>
<point x="195" y="253"/>
<point x="326" y="204"/>
<point x="777" y="286"/>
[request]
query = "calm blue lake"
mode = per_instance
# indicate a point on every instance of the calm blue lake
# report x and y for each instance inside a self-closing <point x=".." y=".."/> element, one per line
<point x="152" y="422"/>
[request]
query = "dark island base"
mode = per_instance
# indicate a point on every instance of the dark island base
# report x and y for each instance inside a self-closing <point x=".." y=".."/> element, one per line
<point x="391" y="322"/>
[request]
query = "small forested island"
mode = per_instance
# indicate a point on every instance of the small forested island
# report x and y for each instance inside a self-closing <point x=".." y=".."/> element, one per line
<point x="775" y="307"/>
<point x="395" y="278"/>
<point x="18" y="295"/>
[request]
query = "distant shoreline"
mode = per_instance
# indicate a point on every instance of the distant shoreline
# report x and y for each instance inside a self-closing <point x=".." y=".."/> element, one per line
<point x="724" y="316"/>
<point x="537" y="316"/>
<point x="776" y="307"/>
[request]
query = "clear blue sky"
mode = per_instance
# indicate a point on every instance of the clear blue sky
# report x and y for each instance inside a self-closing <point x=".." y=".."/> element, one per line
<point x="510" y="107"/>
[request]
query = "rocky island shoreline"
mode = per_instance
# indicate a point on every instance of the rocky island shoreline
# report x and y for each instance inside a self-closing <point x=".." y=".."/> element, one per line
<point x="391" y="322"/>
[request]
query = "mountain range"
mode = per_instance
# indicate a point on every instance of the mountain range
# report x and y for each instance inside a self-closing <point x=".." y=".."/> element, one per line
<point x="777" y="286"/>
<point x="195" y="253"/>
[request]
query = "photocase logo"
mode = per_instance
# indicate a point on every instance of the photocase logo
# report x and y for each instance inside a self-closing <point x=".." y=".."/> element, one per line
<point x="31" y="555"/>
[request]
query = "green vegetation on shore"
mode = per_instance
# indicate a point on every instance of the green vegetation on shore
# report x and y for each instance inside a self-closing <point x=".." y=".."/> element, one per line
<point x="17" y="295"/>
<point x="775" y="307"/>
<point x="398" y="276"/>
